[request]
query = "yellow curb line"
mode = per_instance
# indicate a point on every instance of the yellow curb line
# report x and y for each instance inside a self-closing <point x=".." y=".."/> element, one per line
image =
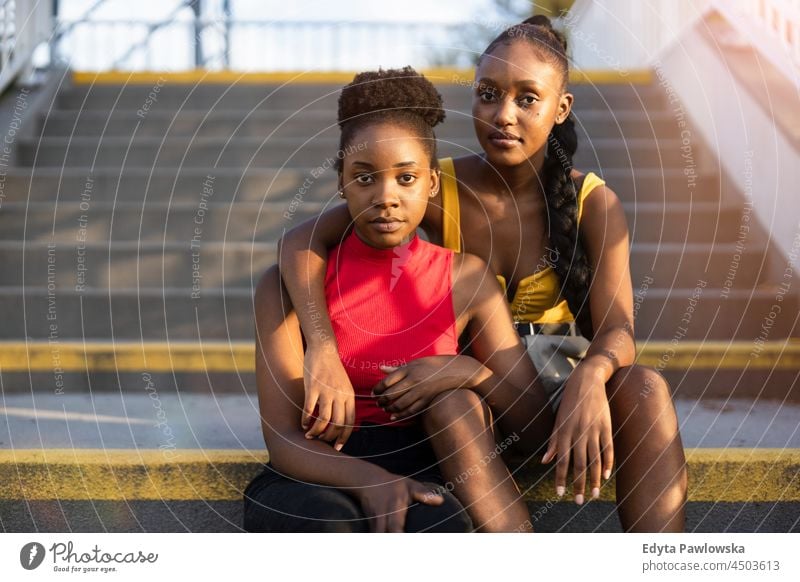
<point x="715" y="475"/>
<point x="42" y="356"/>
<point x="443" y="75"/>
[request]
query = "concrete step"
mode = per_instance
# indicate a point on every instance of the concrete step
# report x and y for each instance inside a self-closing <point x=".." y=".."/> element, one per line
<point x="100" y="221"/>
<point x="314" y="97"/>
<point x="296" y="152"/>
<point x="236" y="264"/>
<point x="257" y="183"/>
<point x="246" y="123"/>
<point x="699" y="370"/>
<point x="152" y="450"/>
<point x="158" y="314"/>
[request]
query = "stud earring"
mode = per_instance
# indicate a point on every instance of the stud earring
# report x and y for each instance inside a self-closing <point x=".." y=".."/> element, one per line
<point x="341" y="193"/>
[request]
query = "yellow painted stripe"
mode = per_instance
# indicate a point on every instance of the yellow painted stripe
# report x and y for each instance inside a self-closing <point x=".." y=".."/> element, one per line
<point x="440" y="75"/>
<point x="731" y="475"/>
<point x="240" y="356"/>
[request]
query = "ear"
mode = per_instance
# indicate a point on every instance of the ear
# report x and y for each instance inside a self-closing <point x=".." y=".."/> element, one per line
<point x="435" y="172"/>
<point x="564" y="108"/>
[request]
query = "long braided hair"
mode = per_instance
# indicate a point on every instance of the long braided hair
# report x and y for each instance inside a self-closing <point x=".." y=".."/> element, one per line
<point x="571" y="263"/>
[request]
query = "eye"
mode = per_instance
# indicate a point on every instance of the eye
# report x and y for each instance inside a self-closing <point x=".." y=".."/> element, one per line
<point x="486" y="95"/>
<point x="364" y="179"/>
<point x="407" y="179"/>
<point x="527" y="100"/>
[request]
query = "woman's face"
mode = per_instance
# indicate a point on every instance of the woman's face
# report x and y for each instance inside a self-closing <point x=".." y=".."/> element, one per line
<point x="387" y="182"/>
<point x="517" y="101"/>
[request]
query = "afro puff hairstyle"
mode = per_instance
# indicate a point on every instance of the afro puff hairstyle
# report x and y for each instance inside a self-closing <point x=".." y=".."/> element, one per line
<point x="397" y="96"/>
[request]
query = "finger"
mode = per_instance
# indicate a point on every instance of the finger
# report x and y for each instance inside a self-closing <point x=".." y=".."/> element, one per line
<point x="336" y="425"/>
<point x="396" y="520"/>
<point x="552" y="448"/>
<point x="595" y="465"/>
<point x="308" y="408"/>
<point x="607" y="445"/>
<point x="390" y="380"/>
<point x="579" y="470"/>
<point x="562" y="464"/>
<point x="323" y="417"/>
<point x="404" y="401"/>
<point x="379" y="522"/>
<point x="395" y="391"/>
<point x="349" y="424"/>
<point x="412" y="410"/>
<point x="423" y="494"/>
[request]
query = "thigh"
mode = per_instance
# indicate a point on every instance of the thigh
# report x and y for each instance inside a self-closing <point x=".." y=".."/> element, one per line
<point x="274" y="503"/>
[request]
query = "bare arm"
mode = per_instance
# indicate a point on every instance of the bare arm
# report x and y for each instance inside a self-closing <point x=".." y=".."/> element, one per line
<point x="583" y="428"/>
<point x="303" y="256"/>
<point x="303" y="259"/>
<point x="605" y="237"/>
<point x="279" y="373"/>
<point x="383" y="496"/>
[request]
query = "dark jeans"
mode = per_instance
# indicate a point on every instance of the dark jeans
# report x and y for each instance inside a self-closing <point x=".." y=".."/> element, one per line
<point x="276" y="503"/>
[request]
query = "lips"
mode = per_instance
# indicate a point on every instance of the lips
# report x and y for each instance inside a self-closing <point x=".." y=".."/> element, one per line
<point x="504" y="139"/>
<point x="386" y="223"/>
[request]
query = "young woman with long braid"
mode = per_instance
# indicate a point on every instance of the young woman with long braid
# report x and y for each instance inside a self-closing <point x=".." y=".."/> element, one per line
<point x="558" y="242"/>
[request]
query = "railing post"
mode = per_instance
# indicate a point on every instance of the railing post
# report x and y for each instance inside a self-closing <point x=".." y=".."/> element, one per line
<point x="198" y="33"/>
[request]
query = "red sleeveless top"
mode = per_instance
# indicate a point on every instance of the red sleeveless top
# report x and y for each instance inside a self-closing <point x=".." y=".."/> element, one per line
<point x="388" y="307"/>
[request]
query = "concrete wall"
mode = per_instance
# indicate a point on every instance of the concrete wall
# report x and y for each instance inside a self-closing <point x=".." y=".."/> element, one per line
<point x="751" y="148"/>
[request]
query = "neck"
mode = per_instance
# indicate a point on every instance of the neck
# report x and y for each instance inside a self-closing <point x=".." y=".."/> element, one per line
<point x="521" y="180"/>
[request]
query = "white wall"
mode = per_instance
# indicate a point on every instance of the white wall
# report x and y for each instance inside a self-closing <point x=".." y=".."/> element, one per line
<point x="751" y="148"/>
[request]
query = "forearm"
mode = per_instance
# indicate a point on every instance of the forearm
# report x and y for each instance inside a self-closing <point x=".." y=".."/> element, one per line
<point x="314" y="461"/>
<point x="303" y="262"/>
<point x="611" y="350"/>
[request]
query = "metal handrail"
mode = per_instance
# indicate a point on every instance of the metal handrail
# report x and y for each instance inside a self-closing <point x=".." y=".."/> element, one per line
<point x="26" y="25"/>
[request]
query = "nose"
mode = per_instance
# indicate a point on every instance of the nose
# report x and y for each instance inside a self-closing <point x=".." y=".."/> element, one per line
<point x="385" y="194"/>
<point x="504" y="113"/>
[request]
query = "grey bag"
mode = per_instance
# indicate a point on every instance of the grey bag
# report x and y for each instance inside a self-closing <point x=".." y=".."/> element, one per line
<point x="555" y="356"/>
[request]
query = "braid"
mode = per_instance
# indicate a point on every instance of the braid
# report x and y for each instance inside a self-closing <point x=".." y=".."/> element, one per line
<point x="571" y="264"/>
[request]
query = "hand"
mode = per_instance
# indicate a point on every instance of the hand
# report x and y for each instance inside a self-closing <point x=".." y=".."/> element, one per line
<point x="409" y="389"/>
<point x="328" y="387"/>
<point x="583" y="428"/>
<point x="386" y="503"/>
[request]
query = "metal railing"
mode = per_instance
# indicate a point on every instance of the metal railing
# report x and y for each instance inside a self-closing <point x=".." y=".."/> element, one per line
<point x="24" y="25"/>
<point x="777" y="21"/>
<point x="608" y="34"/>
<point x="182" y="43"/>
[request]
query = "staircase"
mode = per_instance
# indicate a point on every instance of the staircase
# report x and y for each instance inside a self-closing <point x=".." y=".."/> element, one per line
<point x="137" y="219"/>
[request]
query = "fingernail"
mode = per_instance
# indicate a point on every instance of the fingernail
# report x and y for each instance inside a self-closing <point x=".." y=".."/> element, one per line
<point x="393" y="417"/>
<point x="338" y="446"/>
<point x="579" y="499"/>
<point x="595" y="493"/>
<point x="607" y="474"/>
<point x="560" y="490"/>
<point x="308" y="436"/>
<point x="543" y="458"/>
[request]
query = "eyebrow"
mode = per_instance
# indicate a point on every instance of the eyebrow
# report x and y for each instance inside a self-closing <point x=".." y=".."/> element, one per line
<point x="398" y="165"/>
<point x="524" y="82"/>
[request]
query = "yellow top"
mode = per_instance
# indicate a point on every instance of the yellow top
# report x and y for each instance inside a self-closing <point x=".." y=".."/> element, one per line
<point x="537" y="296"/>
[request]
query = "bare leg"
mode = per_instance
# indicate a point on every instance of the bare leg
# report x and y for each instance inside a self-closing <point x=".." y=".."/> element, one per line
<point x="459" y="425"/>
<point x="650" y="464"/>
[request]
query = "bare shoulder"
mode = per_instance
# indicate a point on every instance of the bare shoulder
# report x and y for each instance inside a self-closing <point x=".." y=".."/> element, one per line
<point x="473" y="280"/>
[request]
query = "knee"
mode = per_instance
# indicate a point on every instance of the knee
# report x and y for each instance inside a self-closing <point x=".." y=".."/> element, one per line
<point x="449" y="407"/>
<point x="639" y="386"/>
